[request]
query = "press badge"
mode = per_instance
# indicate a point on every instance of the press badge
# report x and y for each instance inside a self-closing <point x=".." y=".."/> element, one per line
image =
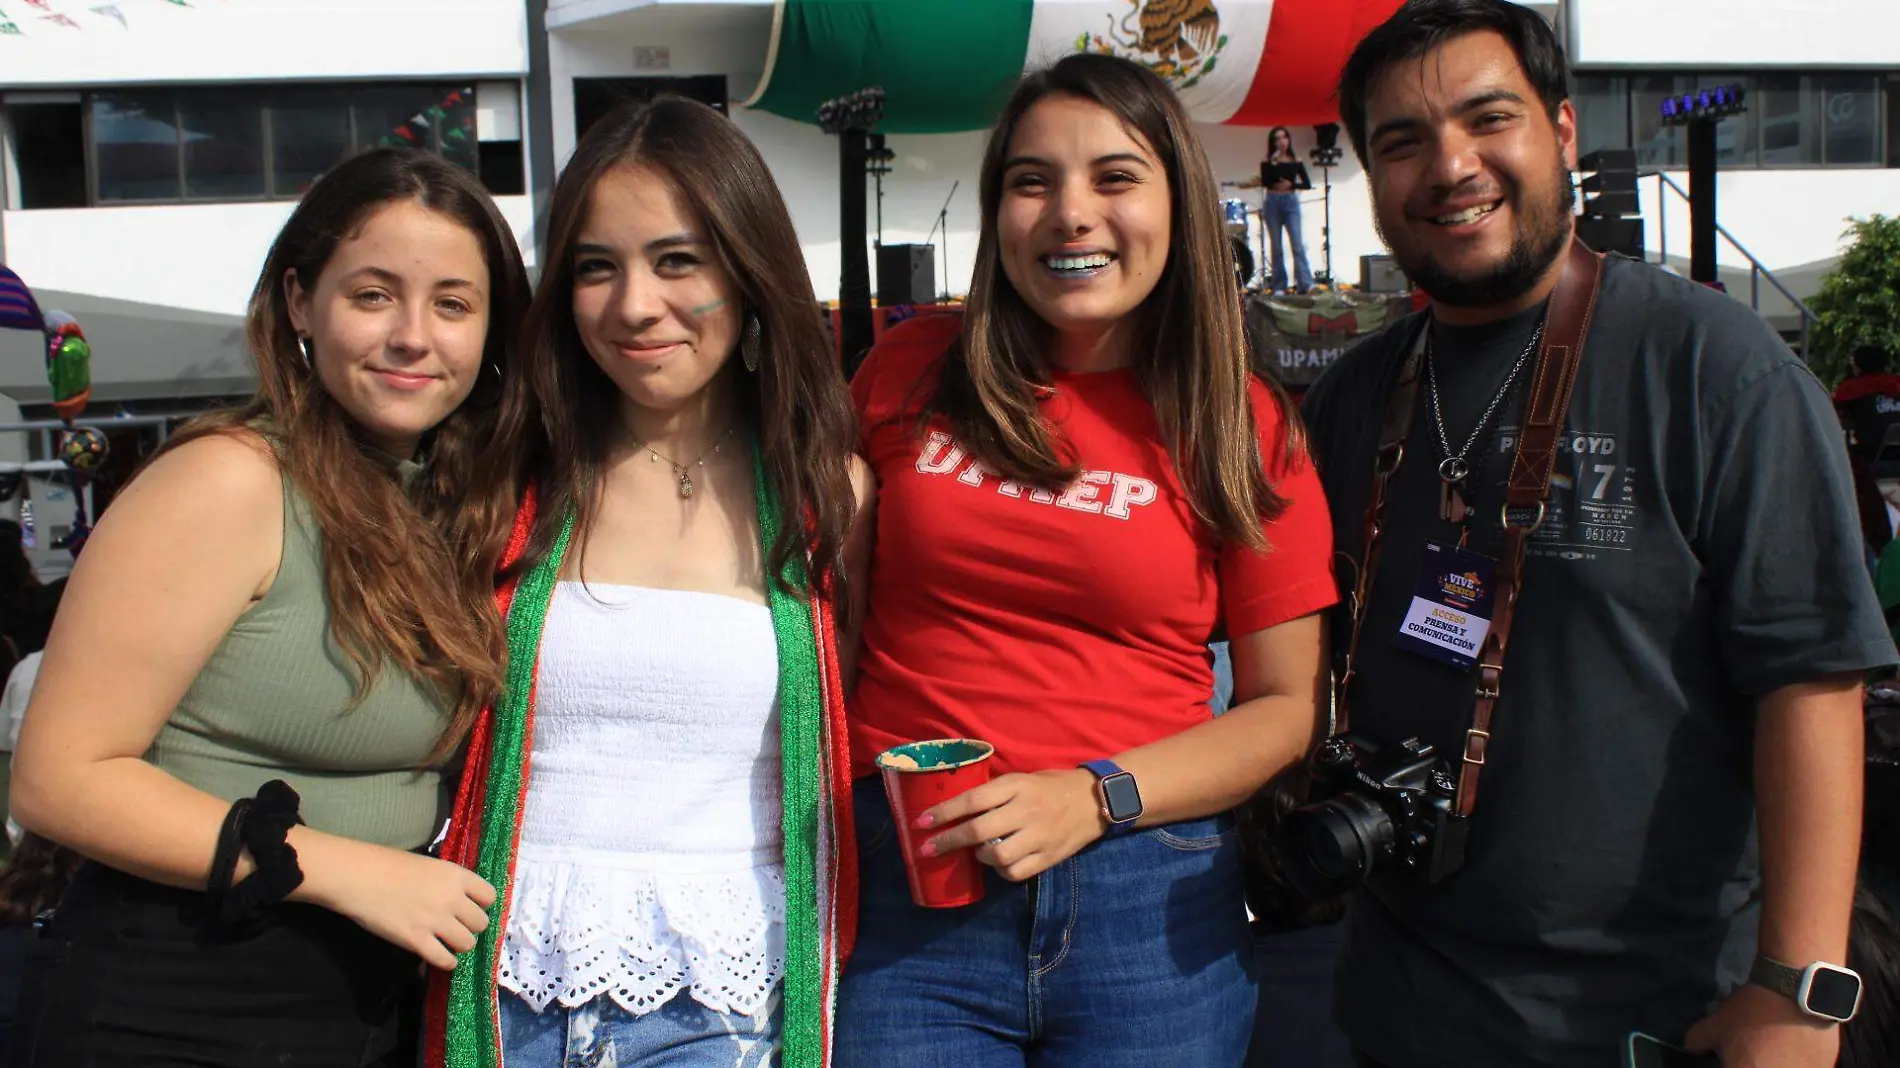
<point x="1451" y="612"/>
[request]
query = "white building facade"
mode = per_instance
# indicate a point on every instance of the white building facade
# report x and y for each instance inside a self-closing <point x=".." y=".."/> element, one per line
<point x="1818" y="145"/>
<point x="1820" y="142"/>
<point x="149" y="152"/>
<point x="146" y="161"/>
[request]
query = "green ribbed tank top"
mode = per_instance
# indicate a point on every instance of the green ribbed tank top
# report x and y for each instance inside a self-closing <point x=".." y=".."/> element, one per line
<point x="273" y="702"/>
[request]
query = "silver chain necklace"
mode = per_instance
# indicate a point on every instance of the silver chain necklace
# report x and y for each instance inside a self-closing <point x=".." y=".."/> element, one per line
<point x="1455" y="467"/>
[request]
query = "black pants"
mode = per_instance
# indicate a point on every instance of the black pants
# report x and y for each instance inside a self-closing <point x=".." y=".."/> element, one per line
<point x="1365" y="1061"/>
<point x="1293" y="1027"/>
<point x="131" y="974"/>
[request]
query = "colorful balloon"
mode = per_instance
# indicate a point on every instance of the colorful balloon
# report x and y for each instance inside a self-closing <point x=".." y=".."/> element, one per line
<point x="84" y="449"/>
<point x="68" y="365"/>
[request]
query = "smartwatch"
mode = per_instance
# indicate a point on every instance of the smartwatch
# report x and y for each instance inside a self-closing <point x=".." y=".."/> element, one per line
<point x="1821" y="990"/>
<point x="1120" y="799"/>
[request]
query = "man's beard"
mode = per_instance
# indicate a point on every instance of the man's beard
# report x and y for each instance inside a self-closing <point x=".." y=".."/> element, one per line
<point x="1542" y="235"/>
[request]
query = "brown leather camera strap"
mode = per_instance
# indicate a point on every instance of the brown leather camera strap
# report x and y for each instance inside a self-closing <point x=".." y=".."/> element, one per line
<point x="1567" y="324"/>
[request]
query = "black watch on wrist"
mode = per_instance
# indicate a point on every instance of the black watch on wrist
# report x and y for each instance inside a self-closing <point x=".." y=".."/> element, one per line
<point x="1821" y="990"/>
<point x="1116" y="790"/>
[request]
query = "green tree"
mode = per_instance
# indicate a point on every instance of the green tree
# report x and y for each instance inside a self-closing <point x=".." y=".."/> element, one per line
<point x="1859" y="301"/>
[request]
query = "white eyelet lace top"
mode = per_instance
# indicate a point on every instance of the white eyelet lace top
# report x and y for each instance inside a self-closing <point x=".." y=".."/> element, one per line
<point x="650" y="859"/>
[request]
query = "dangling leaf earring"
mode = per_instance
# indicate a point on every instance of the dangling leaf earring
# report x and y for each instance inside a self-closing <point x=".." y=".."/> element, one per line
<point x="303" y="342"/>
<point x="749" y="347"/>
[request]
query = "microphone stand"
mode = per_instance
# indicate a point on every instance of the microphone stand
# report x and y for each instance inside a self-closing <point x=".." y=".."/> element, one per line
<point x="943" y="222"/>
<point x="1326" y="159"/>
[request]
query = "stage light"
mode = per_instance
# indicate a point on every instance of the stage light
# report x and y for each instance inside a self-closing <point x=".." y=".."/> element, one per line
<point x="1326" y="151"/>
<point x="854" y="111"/>
<point x="1704" y="105"/>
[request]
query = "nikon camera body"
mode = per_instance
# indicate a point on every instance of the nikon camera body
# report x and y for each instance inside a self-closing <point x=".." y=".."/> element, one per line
<point x="1370" y="809"/>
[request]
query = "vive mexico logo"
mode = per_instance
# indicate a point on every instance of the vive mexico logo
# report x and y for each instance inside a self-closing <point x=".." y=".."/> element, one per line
<point x="1463" y="587"/>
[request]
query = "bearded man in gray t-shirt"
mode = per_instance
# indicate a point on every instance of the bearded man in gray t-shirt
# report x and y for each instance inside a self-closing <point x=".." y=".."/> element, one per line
<point x="1671" y="795"/>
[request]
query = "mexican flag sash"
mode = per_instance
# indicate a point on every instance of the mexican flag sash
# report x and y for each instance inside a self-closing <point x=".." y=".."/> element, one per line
<point x="462" y="1027"/>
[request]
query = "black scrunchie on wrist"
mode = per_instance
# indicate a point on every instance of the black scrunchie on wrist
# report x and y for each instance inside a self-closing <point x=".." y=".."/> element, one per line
<point x="263" y="829"/>
<point x="230" y="844"/>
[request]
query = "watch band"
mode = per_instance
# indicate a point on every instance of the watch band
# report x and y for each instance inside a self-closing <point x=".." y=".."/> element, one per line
<point x="1781" y="978"/>
<point x="1817" y="990"/>
<point x="1103" y="769"/>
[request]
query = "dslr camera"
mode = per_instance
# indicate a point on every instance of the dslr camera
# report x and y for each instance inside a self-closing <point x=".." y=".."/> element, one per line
<point x="1372" y="809"/>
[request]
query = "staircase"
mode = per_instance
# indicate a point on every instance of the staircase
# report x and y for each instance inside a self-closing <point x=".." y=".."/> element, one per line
<point x="1789" y="315"/>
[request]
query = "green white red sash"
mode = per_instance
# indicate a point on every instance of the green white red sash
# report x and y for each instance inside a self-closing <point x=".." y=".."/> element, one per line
<point x="462" y="1028"/>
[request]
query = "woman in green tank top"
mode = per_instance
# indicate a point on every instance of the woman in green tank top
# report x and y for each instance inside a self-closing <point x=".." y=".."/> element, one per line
<point x="268" y="650"/>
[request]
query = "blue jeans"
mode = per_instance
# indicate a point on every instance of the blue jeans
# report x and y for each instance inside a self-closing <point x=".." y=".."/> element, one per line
<point x="1283" y="213"/>
<point x="600" y="1034"/>
<point x="1133" y="953"/>
<point x="1223" y="678"/>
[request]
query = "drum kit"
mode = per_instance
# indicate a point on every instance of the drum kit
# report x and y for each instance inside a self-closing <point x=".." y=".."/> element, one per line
<point x="1247" y="230"/>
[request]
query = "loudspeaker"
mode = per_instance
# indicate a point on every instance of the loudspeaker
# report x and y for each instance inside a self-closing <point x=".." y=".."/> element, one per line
<point x="1381" y="274"/>
<point x="1610" y="192"/>
<point x="1609" y="160"/>
<point x="906" y="274"/>
<point x="1611" y="205"/>
<point x="1603" y="182"/>
<point x="1624" y="236"/>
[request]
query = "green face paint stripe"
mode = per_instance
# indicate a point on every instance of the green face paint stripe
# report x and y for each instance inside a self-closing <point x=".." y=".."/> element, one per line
<point x="704" y="308"/>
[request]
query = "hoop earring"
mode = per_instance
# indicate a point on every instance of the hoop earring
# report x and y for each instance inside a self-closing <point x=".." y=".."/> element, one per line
<point x="303" y="343"/>
<point x="749" y="346"/>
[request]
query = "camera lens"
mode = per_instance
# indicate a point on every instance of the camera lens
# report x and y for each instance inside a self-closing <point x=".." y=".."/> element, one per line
<point x="1335" y="844"/>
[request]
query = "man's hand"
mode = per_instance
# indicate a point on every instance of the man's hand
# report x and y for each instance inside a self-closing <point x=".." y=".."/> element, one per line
<point x="1758" y="1028"/>
<point x="1042" y="820"/>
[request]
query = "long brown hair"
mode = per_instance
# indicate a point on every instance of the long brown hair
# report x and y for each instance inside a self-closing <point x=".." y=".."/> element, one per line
<point x="391" y="566"/>
<point x="1273" y="153"/>
<point x="561" y="415"/>
<point x="35" y="878"/>
<point x="1197" y="382"/>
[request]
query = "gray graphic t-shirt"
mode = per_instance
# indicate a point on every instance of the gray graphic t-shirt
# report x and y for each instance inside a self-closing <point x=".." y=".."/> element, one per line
<point x="1701" y="548"/>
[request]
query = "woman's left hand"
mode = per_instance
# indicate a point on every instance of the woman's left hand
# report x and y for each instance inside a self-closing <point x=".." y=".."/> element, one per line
<point x="1020" y="824"/>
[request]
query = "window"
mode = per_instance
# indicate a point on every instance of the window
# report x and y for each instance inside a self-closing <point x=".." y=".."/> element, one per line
<point x="1656" y="145"/>
<point x="49" y="150"/>
<point x="135" y="147"/>
<point x="1603" y="112"/>
<point x="1792" y="120"/>
<point x="1788" y="125"/>
<point x="1893" y="120"/>
<point x="1849" y="106"/>
<point x="240" y="143"/>
<point x="418" y="116"/>
<point x="224" y="147"/>
<point x="309" y="133"/>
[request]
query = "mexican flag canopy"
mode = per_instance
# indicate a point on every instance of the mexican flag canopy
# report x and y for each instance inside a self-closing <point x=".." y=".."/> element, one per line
<point x="950" y="65"/>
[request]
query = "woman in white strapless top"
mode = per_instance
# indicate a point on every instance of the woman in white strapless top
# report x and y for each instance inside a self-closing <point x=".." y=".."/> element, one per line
<point x="686" y="433"/>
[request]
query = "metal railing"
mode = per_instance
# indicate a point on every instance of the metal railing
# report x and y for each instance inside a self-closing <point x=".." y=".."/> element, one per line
<point x="1756" y="269"/>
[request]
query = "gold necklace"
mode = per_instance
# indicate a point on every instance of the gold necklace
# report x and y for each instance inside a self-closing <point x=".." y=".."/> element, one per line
<point x="681" y="471"/>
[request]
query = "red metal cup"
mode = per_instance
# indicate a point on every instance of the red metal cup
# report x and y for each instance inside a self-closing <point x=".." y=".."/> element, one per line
<point x="916" y="777"/>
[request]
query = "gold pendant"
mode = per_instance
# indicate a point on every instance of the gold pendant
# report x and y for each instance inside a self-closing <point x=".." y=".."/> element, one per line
<point x="686" y="481"/>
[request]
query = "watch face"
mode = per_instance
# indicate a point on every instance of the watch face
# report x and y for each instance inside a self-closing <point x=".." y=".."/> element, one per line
<point x="1123" y="800"/>
<point x="1833" y="993"/>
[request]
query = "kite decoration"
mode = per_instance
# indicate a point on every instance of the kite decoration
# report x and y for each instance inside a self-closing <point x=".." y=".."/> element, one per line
<point x="414" y="132"/>
<point x="47" y="17"/>
<point x="69" y="372"/>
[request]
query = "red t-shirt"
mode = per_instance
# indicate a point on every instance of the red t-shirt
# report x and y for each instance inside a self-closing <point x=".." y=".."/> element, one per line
<point x="1058" y="627"/>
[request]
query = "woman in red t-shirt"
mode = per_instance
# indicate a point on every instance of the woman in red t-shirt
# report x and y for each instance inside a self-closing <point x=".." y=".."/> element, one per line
<point x="1081" y="484"/>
